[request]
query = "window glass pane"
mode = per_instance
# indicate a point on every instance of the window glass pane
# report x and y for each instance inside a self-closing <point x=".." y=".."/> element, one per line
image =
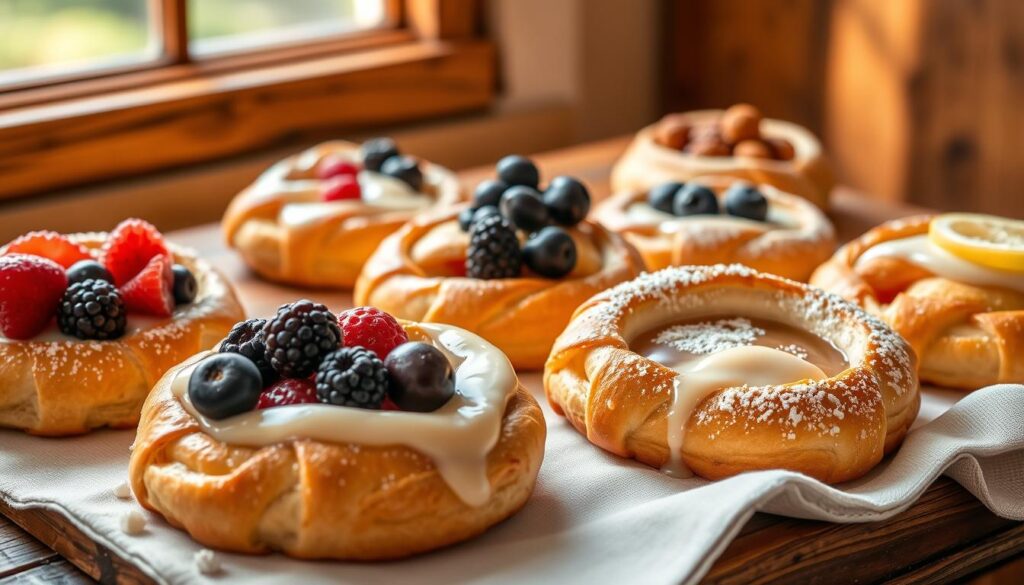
<point x="217" y="26"/>
<point x="43" y="38"/>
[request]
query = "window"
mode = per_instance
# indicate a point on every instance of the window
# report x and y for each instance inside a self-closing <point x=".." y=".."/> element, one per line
<point x="109" y="88"/>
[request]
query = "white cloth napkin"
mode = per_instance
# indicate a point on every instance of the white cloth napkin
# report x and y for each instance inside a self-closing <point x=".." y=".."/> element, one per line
<point x="594" y="518"/>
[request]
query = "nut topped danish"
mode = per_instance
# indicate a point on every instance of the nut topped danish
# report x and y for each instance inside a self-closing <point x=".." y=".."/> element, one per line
<point x="511" y="267"/>
<point x="738" y="142"/>
<point x="345" y="437"/>
<point x="717" y="370"/>
<point x="721" y="220"/>
<point x="314" y="218"/>
<point x="951" y="284"/>
<point x="89" y="322"/>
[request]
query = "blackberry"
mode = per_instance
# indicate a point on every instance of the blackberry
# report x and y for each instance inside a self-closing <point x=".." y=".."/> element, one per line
<point x="92" y="309"/>
<point x="493" y="249"/>
<point x="247" y="339"/>
<point x="299" y="337"/>
<point x="352" y="376"/>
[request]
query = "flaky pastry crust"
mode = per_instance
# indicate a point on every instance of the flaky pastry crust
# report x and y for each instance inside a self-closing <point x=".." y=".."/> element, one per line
<point x="966" y="336"/>
<point x="328" y="248"/>
<point x="834" y="430"/>
<point x="522" y="316"/>
<point x="319" y="500"/>
<point x="647" y="163"/>
<point x="789" y="251"/>
<point x="67" y="387"/>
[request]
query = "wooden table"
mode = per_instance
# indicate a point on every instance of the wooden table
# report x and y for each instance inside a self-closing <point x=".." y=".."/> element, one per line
<point x="945" y="536"/>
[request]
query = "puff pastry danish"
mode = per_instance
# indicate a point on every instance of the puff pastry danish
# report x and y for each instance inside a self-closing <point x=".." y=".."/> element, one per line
<point x="419" y="274"/>
<point x="316" y="480"/>
<point x="660" y="154"/>
<point x="965" y="320"/>
<point x="285" y="230"/>
<point x="791" y="241"/>
<point x="722" y="369"/>
<point x="55" y="384"/>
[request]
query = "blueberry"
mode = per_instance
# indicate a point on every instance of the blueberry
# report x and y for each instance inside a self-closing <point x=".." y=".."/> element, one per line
<point x="225" y="384"/>
<point x="695" y="200"/>
<point x="421" y="378"/>
<point x="376" y="151"/>
<point x="88" y="269"/>
<point x="661" y="197"/>
<point x="489" y="192"/>
<point x="185" y="286"/>
<point x="467" y="217"/>
<point x="405" y="168"/>
<point x="523" y="206"/>
<point x="743" y="200"/>
<point x="550" y="253"/>
<point x="518" y="170"/>
<point x="567" y="200"/>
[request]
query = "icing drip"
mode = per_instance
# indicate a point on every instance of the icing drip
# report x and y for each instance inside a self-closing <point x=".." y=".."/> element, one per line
<point x="737" y="366"/>
<point x="458" y="436"/>
<point x="920" y="251"/>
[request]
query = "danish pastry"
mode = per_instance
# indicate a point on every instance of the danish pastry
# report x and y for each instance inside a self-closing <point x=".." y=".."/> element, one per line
<point x="736" y="142"/>
<point x="717" y="370"/>
<point x="516" y="291"/>
<point x="419" y="440"/>
<point x="952" y="285"/>
<point x="313" y="219"/>
<point x="91" y="321"/>
<point x="719" y="220"/>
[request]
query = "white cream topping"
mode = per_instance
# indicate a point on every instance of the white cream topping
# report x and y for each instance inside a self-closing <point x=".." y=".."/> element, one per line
<point x="642" y="213"/>
<point x="920" y="250"/>
<point x="737" y="366"/>
<point x="458" y="436"/>
<point x="389" y="192"/>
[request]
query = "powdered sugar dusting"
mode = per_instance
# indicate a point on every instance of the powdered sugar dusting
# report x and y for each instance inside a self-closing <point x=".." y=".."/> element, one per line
<point x="710" y="336"/>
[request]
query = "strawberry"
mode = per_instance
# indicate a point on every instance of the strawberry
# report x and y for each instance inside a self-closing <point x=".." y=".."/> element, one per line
<point x="51" y="245"/>
<point x="371" y="328"/>
<point x="130" y="247"/>
<point x="151" y="291"/>
<point x="288" y="391"/>
<point x="30" y="290"/>
<point x="341" y="187"/>
<point x="333" y="166"/>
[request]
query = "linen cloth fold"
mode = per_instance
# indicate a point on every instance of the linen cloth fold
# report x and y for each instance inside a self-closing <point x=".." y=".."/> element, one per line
<point x="593" y="518"/>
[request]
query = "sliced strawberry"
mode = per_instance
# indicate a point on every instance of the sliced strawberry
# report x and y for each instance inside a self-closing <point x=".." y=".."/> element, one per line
<point x="288" y="391"/>
<point x="130" y="247"/>
<point x="30" y="290"/>
<point x="151" y="291"/>
<point x="48" y="244"/>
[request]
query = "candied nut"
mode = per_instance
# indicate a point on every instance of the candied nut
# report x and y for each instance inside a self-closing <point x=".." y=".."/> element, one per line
<point x="741" y="122"/>
<point x="706" y="147"/>
<point x="753" y="149"/>
<point x="782" y="148"/>
<point x="672" y="132"/>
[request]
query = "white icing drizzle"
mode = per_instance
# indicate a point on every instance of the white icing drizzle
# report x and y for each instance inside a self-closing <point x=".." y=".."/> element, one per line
<point x="642" y="213"/>
<point x="384" y="191"/>
<point x="747" y="366"/>
<point x="458" y="436"/>
<point x="919" y="250"/>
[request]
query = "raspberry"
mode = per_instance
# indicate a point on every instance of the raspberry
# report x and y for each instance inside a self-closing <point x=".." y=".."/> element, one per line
<point x="341" y="188"/>
<point x="334" y="166"/>
<point x="151" y="291"/>
<point x="30" y="289"/>
<point x="247" y="338"/>
<point x="299" y="337"/>
<point x="130" y="247"/>
<point x="352" y="376"/>
<point x="493" y="250"/>
<point x="92" y="309"/>
<point x="51" y="245"/>
<point x="288" y="391"/>
<point x="371" y="328"/>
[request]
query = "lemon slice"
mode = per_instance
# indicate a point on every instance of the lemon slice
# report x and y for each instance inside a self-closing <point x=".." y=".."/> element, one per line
<point x="995" y="242"/>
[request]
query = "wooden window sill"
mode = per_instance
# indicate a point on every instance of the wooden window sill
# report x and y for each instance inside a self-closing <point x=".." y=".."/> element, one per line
<point x="199" y="112"/>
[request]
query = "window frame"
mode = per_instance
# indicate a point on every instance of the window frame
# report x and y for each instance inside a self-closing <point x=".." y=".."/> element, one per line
<point x="97" y="127"/>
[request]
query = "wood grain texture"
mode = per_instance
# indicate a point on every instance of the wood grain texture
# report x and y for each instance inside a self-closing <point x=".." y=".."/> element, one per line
<point x="19" y="551"/>
<point x="58" y="572"/>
